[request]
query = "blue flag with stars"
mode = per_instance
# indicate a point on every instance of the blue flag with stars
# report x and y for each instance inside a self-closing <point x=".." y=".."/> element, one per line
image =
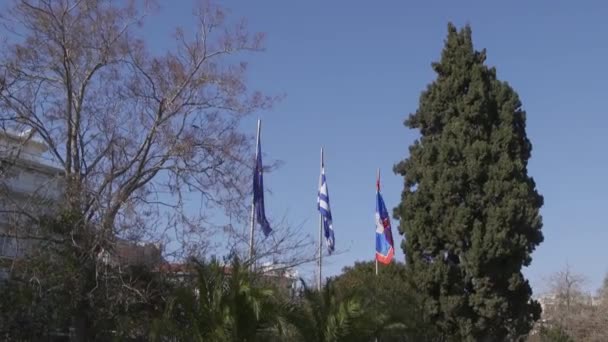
<point x="258" y="191"/>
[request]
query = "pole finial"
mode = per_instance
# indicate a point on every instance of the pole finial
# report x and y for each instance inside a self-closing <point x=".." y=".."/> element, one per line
<point x="322" y="158"/>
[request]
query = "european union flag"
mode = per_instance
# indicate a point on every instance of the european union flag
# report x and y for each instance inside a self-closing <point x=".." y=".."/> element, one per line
<point x="258" y="191"/>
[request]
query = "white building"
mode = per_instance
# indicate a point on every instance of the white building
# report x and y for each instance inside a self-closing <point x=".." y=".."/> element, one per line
<point x="281" y="275"/>
<point x="29" y="183"/>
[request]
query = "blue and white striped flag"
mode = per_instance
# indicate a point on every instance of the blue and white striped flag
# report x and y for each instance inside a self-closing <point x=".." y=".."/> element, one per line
<point x="325" y="210"/>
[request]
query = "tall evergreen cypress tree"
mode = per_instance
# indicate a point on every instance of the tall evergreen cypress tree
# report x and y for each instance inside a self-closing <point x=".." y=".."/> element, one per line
<point x="469" y="210"/>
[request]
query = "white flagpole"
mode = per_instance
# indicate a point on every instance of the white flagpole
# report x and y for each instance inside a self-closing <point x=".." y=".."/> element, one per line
<point x="320" y="229"/>
<point x="251" y="251"/>
<point x="377" y="189"/>
<point x="375" y="257"/>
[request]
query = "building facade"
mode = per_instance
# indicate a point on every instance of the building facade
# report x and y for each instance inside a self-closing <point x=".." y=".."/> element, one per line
<point x="29" y="184"/>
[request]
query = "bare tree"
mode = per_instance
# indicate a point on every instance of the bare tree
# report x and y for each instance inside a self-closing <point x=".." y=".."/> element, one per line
<point x="133" y="132"/>
<point x="599" y="320"/>
<point x="287" y="247"/>
<point x="603" y="291"/>
<point x="569" y="307"/>
<point x="567" y="288"/>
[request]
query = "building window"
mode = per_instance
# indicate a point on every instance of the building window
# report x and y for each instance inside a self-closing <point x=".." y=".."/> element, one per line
<point x="8" y="246"/>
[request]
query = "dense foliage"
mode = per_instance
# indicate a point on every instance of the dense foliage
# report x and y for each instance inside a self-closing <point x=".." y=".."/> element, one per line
<point x="393" y="309"/>
<point x="221" y="301"/>
<point x="469" y="210"/>
<point x="60" y="284"/>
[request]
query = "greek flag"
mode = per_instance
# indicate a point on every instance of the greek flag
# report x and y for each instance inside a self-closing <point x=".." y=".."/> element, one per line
<point x="325" y="210"/>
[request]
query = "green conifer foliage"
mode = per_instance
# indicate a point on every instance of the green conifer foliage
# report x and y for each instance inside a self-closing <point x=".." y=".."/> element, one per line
<point x="469" y="210"/>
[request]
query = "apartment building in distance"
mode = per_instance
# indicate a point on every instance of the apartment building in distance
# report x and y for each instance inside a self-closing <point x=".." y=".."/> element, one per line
<point x="29" y="183"/>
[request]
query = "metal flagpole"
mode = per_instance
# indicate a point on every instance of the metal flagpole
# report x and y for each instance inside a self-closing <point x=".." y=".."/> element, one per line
<point x="375" y="256"/>
<point x="251" y="229"/>
<point x="320" y="228"/>
<point x="378" y="190"/>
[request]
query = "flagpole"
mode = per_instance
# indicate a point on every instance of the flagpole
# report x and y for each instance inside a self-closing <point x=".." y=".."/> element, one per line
<point x="251" y="228"/>
<point x="320" y="229"/>
<point x="378" y="190"/>
<point x="375" y="256"/>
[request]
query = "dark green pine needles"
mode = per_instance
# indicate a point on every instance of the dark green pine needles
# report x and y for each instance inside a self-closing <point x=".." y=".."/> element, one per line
<point x="469" y="210"/>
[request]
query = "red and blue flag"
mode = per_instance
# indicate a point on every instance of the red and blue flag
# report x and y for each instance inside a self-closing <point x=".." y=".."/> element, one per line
<point x="385" y="249"/>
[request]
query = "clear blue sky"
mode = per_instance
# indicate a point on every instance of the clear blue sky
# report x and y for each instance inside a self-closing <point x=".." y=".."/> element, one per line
<point x="353" y="70"/>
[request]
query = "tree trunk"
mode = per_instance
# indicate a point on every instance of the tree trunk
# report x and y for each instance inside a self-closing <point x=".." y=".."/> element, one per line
<point x="82" y="325"/>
